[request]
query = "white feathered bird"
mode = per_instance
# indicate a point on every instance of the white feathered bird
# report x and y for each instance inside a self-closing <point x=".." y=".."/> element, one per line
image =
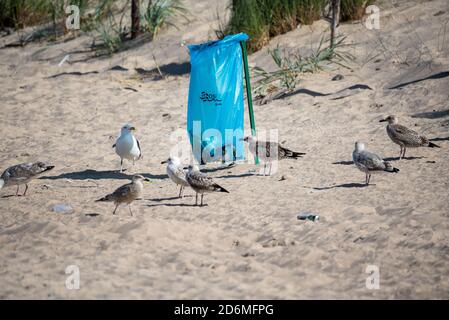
<point x="176" y="173"/>
<point x="127" y="146"/>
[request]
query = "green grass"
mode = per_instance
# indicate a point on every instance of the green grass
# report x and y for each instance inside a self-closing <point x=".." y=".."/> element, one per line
<point x="290" y="66"/>
<point x="264" y="19"/>
<point x="18" y="14"/>
<point x="162" y="13"/>
<point x="353" y="9"/>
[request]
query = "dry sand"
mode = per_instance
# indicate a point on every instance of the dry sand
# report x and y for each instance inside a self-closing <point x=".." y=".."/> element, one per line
<point x="246" y="244"/>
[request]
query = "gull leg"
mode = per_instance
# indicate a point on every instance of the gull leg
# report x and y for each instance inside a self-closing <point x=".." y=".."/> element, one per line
<point x="264" y="168"/>
<point x="369" y="178"/>
<point x="26" y="188"/>
<point x="400" y="154"/>
<point x="116" y="206"/>
<point x="17" y="191"/>
<point x="196" y="199"/>
<point x="130" y="211"/>
<point x="121" y="165"/>
<point x="180" y="192"/>
<point x="202" y="199"/>
<point x="403" y="155"/>
<point x="269" y="171"/>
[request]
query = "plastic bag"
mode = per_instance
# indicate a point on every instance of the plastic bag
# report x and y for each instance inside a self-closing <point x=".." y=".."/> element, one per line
<point x="215" y="106"/>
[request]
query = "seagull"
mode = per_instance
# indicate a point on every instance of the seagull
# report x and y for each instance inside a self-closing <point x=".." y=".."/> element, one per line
<point x="201" y="183"/>
<point x="22" y="174"/>
<point x="126" y="193"/>
<point x="127" y="146"/>
<point x="270" y="151"/>
<point x="405" y="137"/>
<point x="369" y="162"/>
<point x="176" y="173"/>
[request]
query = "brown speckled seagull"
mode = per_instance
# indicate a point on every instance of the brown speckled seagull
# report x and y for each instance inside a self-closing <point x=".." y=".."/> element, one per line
<point x="201" y="183"/>
<point x="269" y="151"/>
<point x="405" y="137"/>
<point x="22" y="174"/>
<point x="126" y="193"/>
<point x="370" y="163"/>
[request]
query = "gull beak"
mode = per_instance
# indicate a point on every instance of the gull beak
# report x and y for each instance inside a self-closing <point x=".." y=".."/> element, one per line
<point x="147" y="180"/>
<point x="132" y="129"/>
<point x="383" y="120"/>
<point x="185" y="168"/>
<point x="164" y="162"/>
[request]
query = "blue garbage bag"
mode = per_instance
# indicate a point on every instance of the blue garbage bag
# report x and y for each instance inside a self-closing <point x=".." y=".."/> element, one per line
<point x="215" y="106"/>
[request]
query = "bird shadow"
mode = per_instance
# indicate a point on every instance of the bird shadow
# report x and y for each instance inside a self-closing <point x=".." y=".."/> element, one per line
<point x="344" y="163"/>
<point x="405" y="158"/>
<point x="224" y="167"/>
<point x="98" y="175"/>
<point x="236" y="175"/>
<point x="175" y="205"/>
<point x="432" y="115"/>
<point x="345" y="185"/>
<point x="439" y="139"/>
<point x="10" y="196"/>
<point x="168" y="199"/>
<point x="92" y="214"/>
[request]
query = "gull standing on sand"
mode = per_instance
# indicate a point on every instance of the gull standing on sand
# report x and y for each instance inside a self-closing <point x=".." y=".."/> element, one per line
<point x="201" y="183"/>
<point x="405" y="137"/>
<point x="126" y="193"/>
<point x="176" y="173"/>
<point x="270" y="151"/>
<point x="127" y="146"/>
<point x="369" y="162"/>
<point x="22" y="174"/>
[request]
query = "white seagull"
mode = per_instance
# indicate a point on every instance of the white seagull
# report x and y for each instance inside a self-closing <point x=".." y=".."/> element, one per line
<point x="127" y="146"/>
<point x="176" y="173"/>
<point x="369" y="162"/>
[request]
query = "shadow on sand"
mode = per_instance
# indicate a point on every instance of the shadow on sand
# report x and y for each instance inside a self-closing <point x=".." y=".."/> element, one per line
<point x="439" y="75"/>
<point x="406" y="158"/>
<point x="432" y="115"/>
<point x="99" y="175"/>
<point x="345" y="185"/>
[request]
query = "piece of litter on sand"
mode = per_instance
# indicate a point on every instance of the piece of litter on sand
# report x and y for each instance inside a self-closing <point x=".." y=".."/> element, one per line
<point x="62" y="208"/>
<point x="65" y="59"/>
<point x="337" y="77"/>
<point x="308" y="216"/>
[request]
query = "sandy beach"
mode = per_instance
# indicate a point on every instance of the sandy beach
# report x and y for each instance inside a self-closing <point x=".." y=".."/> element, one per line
<point x="247" y="244"/>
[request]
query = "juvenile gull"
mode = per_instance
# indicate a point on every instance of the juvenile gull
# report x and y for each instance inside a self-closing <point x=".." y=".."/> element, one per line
<point x="126" y="193"/>
<point x="176" y="173"/>
<point x="405" y="137"/>
<point x="369" y="162"/>
<point x="201" y="183"/>
<point x="22" y="174"/>
<point x="127" y="146"/>
<point x="270" y="151"/>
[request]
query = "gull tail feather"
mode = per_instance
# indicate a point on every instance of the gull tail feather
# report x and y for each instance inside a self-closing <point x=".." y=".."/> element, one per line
<point x="220" y="188"/>
<point x="48" y="168"/>
<point x="390" y="168"/>
<point x="433" y="145"/>
<point x="292" y="154"/>
<point x="105" y="198"/>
